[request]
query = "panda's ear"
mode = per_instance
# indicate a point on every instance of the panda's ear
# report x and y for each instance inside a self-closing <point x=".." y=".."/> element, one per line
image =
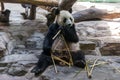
<point x="70" y="10"/>
<point x="55" y="11"/>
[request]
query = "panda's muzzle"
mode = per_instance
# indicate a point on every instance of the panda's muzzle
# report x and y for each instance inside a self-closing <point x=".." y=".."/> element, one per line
<point x="69" y="25"/>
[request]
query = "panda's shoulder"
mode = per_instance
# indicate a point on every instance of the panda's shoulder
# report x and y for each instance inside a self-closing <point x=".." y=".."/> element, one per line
<point x="53" y="26"/>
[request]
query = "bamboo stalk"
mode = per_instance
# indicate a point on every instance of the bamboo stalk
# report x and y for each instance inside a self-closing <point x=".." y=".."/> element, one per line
<point x="116" y="68"/>
<point x="54" y="63"/>
<point x="56" y="34"/>
<point x="57" y="58"/>
<point x="93" y="66"/>
<point x="88" y="71"/>
<point x="71" y="61"/>
<point x="101" y="63"/>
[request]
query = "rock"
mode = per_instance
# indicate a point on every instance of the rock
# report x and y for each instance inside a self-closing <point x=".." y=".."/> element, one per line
<point x="34" y="23"/>
<point x="8" y="77"/>
<point x="63" y="73"/>
<point x="6" y="43"/>
<point x="3" y="64"/>
<point x="1" y="54"/>
<point x="10" y="46"/>
<point x="85" y="5"/>
<point x="30" y="44"/>
<point x="87" y="45"/>
<point x="20" y="57"/>
<point x="20" y="46"/>
<point x="110" y="49"/>
<point x="35" y="41"/>
<point x="3" y="69"/>
<point x="100" y="72"/>
<point x="4" y="39"/>
<point x="17" y="71"/>
<point x="99" y="28"/>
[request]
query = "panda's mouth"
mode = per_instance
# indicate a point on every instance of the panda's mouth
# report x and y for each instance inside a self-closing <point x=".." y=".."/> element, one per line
<point x="69" y="25"/>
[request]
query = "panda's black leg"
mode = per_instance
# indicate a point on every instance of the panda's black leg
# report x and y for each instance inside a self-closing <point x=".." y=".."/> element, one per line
<point x="43" y="63"/>
<point x="79" y="59"/>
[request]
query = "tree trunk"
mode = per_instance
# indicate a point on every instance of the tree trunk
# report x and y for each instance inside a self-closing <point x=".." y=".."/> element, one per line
<point x="32" y="12"/>
<point x="2" y="6"/>
<point x="94" y="13"/>
<point x="34" y="2"/>
<point x="66" y="4"/>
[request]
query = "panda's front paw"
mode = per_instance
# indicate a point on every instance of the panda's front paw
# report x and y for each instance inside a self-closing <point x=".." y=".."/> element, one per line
<point x="43" y="63"/>
<point x="80" y="63"/>
<point x="36" y="70"/>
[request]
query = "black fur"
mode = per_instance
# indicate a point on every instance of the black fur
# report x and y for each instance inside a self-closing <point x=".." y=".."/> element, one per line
<point x="43" y="63"/>
<point x="48" y="41"/>
<point x="79" y="59"/>
<point x="45" y="57"/>
<point x="70" y="34"/>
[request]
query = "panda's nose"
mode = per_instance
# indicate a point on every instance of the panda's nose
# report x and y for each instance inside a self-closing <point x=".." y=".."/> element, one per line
<point x="69" y="25"/>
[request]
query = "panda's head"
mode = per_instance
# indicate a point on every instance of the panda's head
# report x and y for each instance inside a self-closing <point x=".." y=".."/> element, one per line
<point x="64" y="18"/>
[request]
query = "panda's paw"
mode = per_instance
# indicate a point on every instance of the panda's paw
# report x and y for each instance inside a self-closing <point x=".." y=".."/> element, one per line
<point x="43" y="63"/>
<point x="80" y="63"/>
<point x="37" y="70"/>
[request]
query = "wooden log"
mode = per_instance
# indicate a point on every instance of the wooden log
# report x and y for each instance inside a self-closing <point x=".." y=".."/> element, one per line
<point x="34" y="2"/>
<point x="94" y="13"/>
<point x="66" y="4"/>
<point x="32" y="12"/>
<point x="2" y="6"/>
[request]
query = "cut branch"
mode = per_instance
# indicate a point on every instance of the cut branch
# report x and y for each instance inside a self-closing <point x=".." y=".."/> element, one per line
<point x="2" y="6"/>
<point x="34" y="2"/>
<point x="66" y="4"/>
<point x="94" y="13"/>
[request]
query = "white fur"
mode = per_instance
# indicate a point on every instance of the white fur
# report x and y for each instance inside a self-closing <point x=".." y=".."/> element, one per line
<point x="65" y="14"/>
<point x="60" y="45"/>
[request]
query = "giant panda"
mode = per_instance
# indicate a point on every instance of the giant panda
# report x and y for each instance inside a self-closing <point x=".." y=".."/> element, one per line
<point x="64" y="22"/>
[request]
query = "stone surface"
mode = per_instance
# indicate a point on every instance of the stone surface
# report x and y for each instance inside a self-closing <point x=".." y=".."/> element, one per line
<point x="35" y="41"/>
<point x="4" y="39"/>
<point x="3" y="64"/>
<point x="8" y="77"/>
<point x="17" y="71"/>
<point x="87" y="45"/>
<point x="20" y="57"/>
<point x="106" y="6"/>
<point x="6" y="43"/>
<point x="100" y="72"/>
<point x="111" y="49"/>
<point x="98" y="28"/>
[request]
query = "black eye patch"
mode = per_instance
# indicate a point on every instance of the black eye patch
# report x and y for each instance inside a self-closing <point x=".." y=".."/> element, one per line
<point x="71" y="19"/>
<point x="64" y="20"/>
